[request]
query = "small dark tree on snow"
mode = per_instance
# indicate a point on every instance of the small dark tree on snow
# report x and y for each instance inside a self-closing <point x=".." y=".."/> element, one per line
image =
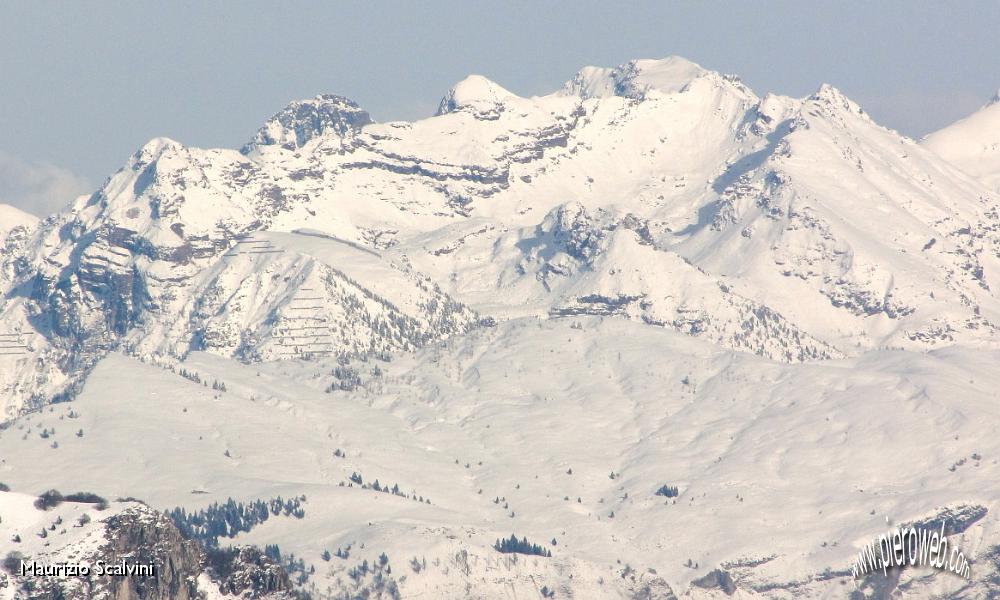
<point x="12" y="562"/>
<point x="415" y="565"/>
<point x="49" y="499"/>
<point x="669" y="491"/>
<point x="273" y="552"/>
<point x="326" y="555"/>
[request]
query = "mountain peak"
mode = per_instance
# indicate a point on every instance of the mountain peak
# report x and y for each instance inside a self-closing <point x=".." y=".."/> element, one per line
<point x="635" y="78"/>
<point x="475" y="92"/>
<point x="829" y="97"/>
<point x="152" y="150"/>
<point x="827" y="92"/>
<point x="304" y="120"/>
<point x="972" y="143"/>
<point x="11" y="217"/>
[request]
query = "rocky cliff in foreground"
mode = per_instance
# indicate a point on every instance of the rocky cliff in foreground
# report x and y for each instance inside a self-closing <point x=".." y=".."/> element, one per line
<point x="132" y="553"/>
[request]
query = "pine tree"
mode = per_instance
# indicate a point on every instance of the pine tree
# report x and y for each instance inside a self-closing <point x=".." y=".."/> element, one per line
<point x="667" y="491"/>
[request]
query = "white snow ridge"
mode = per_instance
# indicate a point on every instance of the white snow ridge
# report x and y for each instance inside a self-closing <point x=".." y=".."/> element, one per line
<point x="678" y="339"/>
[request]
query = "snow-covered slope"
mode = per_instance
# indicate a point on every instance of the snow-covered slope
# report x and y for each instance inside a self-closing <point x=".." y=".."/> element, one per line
<point x="973" y="143"/>
<point x="782" y="471"/>
<point x="252" y="297"/>
<point x="11" y="217"/>
<point x="856" y="233"/>
<point x="15" y="227"/>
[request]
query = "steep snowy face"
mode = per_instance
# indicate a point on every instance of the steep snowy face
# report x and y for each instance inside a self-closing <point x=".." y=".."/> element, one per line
<point x="162" y="259"/>
<point x="169" y="195"/>
<point x="278" y="296"/>
<point x="302" y="121"/>
<point x="15" y="228"/>
<point x="848" y="228"/>
<point x="265" y="296"/>
<point x="973" y="143"/>
<point x="581" y="262"/>
<point x="636" y="79"/>
<point x="12" y="217"/>
<point x="477" y="95"/>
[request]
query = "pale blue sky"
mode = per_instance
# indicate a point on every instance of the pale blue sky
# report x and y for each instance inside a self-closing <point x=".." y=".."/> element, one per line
<point x="83" y="84"/>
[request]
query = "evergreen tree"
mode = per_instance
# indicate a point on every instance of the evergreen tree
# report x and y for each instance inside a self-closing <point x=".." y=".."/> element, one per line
<point x="513" y="545"/>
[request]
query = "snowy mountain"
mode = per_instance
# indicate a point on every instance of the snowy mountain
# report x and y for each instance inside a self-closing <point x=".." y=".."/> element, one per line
<point x="302" y="121"/>
<point x="15" y="227"/>
<point x="12" y="218"/>
<point x="652" y="272"/>
<point x="972" y="144"/>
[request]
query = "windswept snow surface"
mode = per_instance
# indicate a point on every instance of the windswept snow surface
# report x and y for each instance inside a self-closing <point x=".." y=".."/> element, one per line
<point x="973" y="144"/>
<point x="11" y="217"/>
<point x="799" y="465"/>
<point x="529" y="315"/>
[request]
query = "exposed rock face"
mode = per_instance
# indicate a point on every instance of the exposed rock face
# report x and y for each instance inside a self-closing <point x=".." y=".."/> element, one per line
<point x="147" y="265"/>
<point x="141" y="536"/>
<point x="593" y="262"/>
<point x="302" y="121"/>
<point x="477" y="95"/>
<point x="146" y="538"/>
<point x="717" y="579"/>
<point x="246" y="572"/>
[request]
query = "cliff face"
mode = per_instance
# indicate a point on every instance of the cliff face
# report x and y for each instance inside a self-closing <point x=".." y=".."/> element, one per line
<point x="144" y="538"/>
<point x="136" y="553"/>
<point x="246" y="571"/>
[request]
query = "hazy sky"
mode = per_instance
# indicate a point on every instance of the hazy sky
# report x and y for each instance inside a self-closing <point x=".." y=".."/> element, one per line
<point x="83" y="84"/>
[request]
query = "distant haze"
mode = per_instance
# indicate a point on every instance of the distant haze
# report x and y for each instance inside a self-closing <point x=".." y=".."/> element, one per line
<point x="82" y="85"/>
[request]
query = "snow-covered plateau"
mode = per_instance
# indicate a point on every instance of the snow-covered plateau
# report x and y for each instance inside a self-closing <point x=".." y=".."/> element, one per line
<point x="678" y="339"/>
